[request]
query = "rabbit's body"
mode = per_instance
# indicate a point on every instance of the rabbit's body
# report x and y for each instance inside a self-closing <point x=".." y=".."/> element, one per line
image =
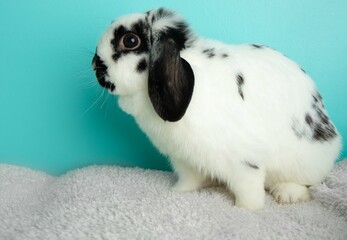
<point x="255" y="120"/>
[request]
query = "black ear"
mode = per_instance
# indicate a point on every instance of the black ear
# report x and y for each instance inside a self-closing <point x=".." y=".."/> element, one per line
<point x="170" y="80"/>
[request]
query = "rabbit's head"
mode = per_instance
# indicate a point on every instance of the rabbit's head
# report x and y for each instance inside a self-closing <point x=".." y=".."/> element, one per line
<point x="141" y="52"/>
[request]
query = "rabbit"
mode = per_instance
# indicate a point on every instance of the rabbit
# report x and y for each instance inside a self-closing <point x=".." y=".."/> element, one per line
<point x="243" y="115"/>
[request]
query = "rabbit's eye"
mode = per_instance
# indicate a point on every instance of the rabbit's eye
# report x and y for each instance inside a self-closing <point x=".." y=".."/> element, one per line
<point x="131" y="41"/>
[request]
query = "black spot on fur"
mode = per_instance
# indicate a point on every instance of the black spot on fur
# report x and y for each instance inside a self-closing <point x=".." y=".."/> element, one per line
<point x="224" y="55"/>
<point x="256" y="46"/>
<point x="303" y="70"/>
<point x="318" y="100"/>
<point x="162" y="13"/>
<point x="323" y="129"/>
<point x="209" y="52"/>
<point x="179" y="32"/>
<point x="308" y="119"/>
<point x="142" y="65"/>
<point x="318" y="126"/>
<point x="240" y="83"/>
<point x="251" y="165"/>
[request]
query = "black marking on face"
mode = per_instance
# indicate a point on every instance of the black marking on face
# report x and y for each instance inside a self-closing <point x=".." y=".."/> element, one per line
<point x="142" y="65"/>
<point x="225" y="55"/>
<point x="252" y="165"/>
<point x="101" y="73"/>
<point x="110" y="86"/>
<point x="209" y="52"/>
<point x="240" y="83"/>
<point x="116" y="56"/>
<point x="140" y="29"/>
<point x="256" y="46"/>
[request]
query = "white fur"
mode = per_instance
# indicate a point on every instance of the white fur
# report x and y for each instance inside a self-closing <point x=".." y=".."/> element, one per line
<point x="220" y="131"/>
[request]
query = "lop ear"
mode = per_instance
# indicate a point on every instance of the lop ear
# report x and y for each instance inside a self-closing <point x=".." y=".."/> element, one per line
<point x="170" y="80"/>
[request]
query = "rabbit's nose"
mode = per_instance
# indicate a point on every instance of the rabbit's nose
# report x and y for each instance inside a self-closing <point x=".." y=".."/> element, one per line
<point x="101" y="72"/>
<point x="94" y="62"/>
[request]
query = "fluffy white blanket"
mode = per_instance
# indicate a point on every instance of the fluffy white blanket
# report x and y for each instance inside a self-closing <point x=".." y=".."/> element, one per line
<point x="108" y="202"/>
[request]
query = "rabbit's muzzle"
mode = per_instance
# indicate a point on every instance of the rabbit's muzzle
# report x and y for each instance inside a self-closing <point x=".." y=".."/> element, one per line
<point x="101" y="73"/>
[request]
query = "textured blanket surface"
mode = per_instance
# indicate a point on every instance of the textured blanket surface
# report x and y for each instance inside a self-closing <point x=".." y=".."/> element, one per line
<point x="108" y="202"/>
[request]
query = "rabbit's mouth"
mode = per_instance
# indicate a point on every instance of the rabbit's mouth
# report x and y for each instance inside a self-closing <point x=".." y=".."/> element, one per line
<point x="101" y="73"/>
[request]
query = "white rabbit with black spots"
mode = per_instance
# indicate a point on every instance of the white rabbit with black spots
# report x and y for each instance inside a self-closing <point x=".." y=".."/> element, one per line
<point x="244" y="115"/>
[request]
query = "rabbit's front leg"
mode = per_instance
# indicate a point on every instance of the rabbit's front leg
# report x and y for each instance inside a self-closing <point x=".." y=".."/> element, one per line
<point x="188" y="178"/>
<point x="247" y="184"/>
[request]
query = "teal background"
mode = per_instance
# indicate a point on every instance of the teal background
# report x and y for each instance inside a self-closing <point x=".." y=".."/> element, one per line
<point x="53" y="115"/>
